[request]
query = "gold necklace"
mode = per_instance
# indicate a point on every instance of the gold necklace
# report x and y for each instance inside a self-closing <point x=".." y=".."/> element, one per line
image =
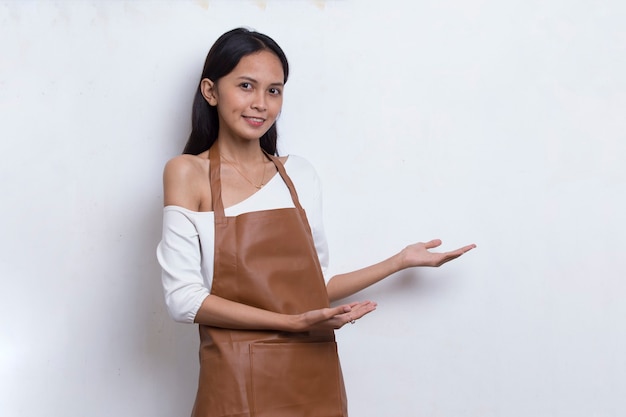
<point x="258" y="187"/>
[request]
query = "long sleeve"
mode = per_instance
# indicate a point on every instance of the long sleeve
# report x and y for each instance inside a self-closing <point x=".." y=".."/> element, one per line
<point x="180" y="257"/>
<point x="313" y="208"/>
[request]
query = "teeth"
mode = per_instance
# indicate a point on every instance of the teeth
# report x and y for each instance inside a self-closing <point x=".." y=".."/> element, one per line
<point x="254" y="119"/>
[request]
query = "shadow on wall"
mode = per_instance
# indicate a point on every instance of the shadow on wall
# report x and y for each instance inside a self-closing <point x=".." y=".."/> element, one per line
<point x="166" y="351"/>
<point x="411" y="285"/>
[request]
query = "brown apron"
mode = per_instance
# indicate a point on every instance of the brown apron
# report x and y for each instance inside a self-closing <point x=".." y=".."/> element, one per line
<point x="267" y="259"/>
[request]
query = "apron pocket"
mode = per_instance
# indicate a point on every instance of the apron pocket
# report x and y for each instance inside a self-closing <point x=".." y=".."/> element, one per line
<point x="295" y="379"/>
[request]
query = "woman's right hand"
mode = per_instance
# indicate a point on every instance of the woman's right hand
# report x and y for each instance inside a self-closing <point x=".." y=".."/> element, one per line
<point x="333" y="317"/>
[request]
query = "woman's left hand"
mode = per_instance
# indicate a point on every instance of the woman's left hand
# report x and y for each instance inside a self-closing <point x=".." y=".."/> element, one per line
<point x="418" y="254"/>
<point x="332" y="318"/>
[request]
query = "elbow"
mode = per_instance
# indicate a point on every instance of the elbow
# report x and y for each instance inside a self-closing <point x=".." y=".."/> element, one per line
<point x="331" y="290"/>
<point x="179" y="315"/>
<point x="183" y="311"/>
<point x="337" y="290"/>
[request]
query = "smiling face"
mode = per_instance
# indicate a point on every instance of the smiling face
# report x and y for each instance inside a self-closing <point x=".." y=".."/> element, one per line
<point x="249" y="98"/>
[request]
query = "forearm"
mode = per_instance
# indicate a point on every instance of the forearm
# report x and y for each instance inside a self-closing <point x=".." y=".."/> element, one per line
<point x="344" y="285"/>
<point x="220" y="312"/>
<point x="417" y="254"/>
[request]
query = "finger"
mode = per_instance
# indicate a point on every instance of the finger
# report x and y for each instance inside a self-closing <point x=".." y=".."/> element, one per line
<point x="466" y="248"/>
<point x="354" y="316"/>
<point x="316" y="316"/>
<point x="344" y="308"/>
<point x="340" y="311"/>
<point x="362" y="303"/>
<point x="364" y="312"/>
<point x="449" y="258"/>
<point x="432" y="244"/>
<point x="341" y="320"/>
<point x="365" y="305"/>
<point x="357" y="304"/>
<point x="456" y="253"/>
<point x="360" y="307"/>
<point x="366" y="308"/>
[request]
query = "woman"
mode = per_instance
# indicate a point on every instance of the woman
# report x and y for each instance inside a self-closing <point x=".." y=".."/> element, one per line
<point x="243" y="248"/>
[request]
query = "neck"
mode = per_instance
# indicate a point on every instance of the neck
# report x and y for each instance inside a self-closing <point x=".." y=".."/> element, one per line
<point x="243" y="153"/>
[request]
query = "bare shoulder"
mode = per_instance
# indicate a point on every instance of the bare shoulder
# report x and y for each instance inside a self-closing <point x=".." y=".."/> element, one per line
<point x="185" y="181"/>
<point x="181" y="167"/>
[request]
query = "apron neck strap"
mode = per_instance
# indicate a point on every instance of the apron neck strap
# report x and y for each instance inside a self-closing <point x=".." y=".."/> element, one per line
<point x="283" y="174"/>
<point x="216" y="183"/>
<point x="215" y="178"/>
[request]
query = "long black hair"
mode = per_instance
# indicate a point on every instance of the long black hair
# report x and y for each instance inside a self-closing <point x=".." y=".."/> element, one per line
<point x="223" y="57"/>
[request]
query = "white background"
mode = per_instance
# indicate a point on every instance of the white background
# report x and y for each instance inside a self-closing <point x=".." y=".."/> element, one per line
<point x="495" y="122"/>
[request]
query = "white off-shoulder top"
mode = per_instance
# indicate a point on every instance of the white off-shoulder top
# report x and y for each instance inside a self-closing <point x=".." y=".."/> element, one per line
<point x="186" y="250"/>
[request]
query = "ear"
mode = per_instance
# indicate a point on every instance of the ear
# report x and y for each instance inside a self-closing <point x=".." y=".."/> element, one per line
<point x="209" y="91"/>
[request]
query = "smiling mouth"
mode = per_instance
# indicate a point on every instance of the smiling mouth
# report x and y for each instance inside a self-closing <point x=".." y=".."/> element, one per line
<point x="255" y="121"/>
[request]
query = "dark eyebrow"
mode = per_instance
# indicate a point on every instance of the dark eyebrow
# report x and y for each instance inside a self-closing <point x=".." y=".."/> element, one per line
<point x="252" y="80"/>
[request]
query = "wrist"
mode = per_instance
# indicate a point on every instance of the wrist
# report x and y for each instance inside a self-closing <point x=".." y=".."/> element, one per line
<point x="399" y="261"/>
<point x="292" y="322"/>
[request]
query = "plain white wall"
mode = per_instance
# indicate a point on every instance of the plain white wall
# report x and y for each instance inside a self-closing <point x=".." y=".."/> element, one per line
<point x="495" y="122"/>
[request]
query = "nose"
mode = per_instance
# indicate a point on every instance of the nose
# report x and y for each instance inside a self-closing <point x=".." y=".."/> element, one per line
<point x="259" y="102"/>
